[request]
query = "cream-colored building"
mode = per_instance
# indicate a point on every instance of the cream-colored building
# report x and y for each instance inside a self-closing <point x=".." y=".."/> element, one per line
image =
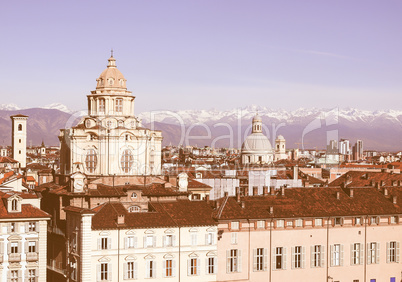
<point x="311" y="234"/>
<point x="256" y="148"/>
<point x="23" y="238"/>
<point x="108" y="243"/>
<point x="110" y="140"/>
<point x="280" y="148"/>
<point x="19" y="139"/>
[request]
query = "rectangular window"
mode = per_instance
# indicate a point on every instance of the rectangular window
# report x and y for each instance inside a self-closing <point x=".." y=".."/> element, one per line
<point x="168" y="268"/>
<point x="211" y="265"/>
<point x="193" y="266"/>
<point x="393" y="252"/>
<point x="299" y="222"/>
<point x="318" y="222"/>
<point x="373" y="253"/>
<point x="338" y="221"/>
<point x="151" y="267"/>
<point x="104" y="243"/>
<point x="336" y="255"/>
<point x="289" y="223"/>
<point x="31" y="275"/>
<point x="101" y="105"/>
<point x="233" y="264"/>
<point x="12" y="227"/>
<point x="394" y="219"/>
<point x="297" y="257"/>
<point x="259" y="259"/>
<point x="130" y="270"/>
<point x="235" y="225"/>
<point x="280" y="258"/>
<point x="358" y="221"/>
<point x="14" y="247"/>
<point x="168" y="240"/>
<point x="280" y="223"/>
<point x="14" y="276"/>
<point x="31" y="226"/>
<point x="31" y="247"/>
<point x="104" y="271"/>
<point x="260" y="224"/>
<point x="374" y="220"/>
<point x="130" y="242"/>
<point x="149" y="241"/>
<point x="317" y="256"/>
<point x="119" y="105"/>
<point x="356" y="254"/>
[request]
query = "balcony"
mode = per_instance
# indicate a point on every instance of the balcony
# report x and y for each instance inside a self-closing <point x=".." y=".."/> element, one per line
<point x="32" y="256"/>
<point x="14" y="257"/>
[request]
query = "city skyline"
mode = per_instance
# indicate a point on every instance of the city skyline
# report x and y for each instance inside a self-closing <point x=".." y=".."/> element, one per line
<point x="203" y="55"/>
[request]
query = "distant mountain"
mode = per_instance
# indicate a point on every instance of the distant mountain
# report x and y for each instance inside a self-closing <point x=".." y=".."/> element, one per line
<point x="379" y="130"/>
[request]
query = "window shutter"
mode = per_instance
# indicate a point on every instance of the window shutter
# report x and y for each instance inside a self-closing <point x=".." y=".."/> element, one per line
<point x="388" y="253"/>
<point x="206" y="239"/>
<point x="368" y="254"/>
<point x="109" y="270"/>
<point x="273" y="258"/>
<point x="284" y="258"/>
<point x="239" y="266"/>
<point x="148" y="263"/>
<point x="254" y="259"/>
<point x="109" y="243"/>
<point x="164" y="241"/>
<point x="341" y="256"/>
<point x="397" y="252"/>
<point x="135" y="242"/>
<point x="361" y="254"/>
<point x="198" y="269"/>
<point x="293" y="257"/>
<point x="377" y="253"/>
<point x="99" y="244"/>
<point x="265" y="259"/>
<point x="25" y="247"/>
<point x="312" y="256"/>
<point x="126" y="242"/>
<point x="135" y="270"/>
<point x="164" y="267"/>
<point x="154" y="269"/>
<point x="26" y="229"/>
<point x="215" y="265"/>
<point x="174" y="268"/>
<point x="19" y="247"/>
<point x="303" y="264"/>
<point x="154" y="241"/>
<point x="322" y="256"/>
<point x="351" y="254"/>
<point x="213" y="238"/>
<point x="188" y="267"/>
<point x="173" y="240"/>
<point x="332" y="255"/>
<point x="125" y="270"/>
<point x="206" y="265"/>
<point x="227" y="261"/>
<point x="9" y="248"/>
<point x="98" y="271"/>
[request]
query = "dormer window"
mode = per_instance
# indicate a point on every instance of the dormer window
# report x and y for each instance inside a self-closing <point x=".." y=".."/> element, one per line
<point x="111" y="81"/>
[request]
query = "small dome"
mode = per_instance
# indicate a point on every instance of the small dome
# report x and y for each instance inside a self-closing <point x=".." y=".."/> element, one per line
<point x="111" y="77"/>
<point x="280" y="137"/>
<point x="256" y="142"/>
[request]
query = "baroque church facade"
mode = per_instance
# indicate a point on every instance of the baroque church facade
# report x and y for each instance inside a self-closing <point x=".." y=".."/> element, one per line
<point x="110" y="140"/>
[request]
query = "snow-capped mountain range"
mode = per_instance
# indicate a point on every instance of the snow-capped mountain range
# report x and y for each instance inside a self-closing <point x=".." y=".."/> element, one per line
<point x="380" y="130"/>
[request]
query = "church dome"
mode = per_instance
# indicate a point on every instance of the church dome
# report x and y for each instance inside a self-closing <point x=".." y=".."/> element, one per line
<point x="280" y="137"/>
<point x="257" y="118"/>
<point x="111" y="77"/>
<point x="256" y="142"/>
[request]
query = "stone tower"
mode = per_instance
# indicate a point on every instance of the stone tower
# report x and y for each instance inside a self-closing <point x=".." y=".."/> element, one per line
<point x="19" y="139"/>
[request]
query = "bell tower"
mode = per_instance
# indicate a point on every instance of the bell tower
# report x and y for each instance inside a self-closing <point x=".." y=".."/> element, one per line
<point x="19" y="139"/>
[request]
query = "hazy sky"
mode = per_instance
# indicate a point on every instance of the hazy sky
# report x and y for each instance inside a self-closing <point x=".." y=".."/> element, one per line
<point x="205" y="54"/>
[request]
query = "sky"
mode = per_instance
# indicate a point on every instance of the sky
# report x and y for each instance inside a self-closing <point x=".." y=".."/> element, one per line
<point x="203" y="54"/>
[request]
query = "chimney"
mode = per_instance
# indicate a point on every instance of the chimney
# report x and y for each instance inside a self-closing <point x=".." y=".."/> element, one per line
<point x="243" y="204"/>
<point x="382" y="182"/>
<point x="399" y="183"/>
<point x="271" y="210"/>
<point x="120" y="219"/>
<point x="338" y="195"/>
<point x="255" y="190"/>
<point x="265" y="190"/>
<point x="226" y="194"/>
<point x="272" y="190"/>
<point x="377" y="185"/>
<point x="385" y="192"/>
<point x="282" y="191"/>
<point x="394" y="183"/>
<point x="351" y="192"/>
<point x="238" y="194"/>
<point x="246" y="191"/>
<point x="218" y="204"/>
<point x="295" y="173"/>
<point x="372" y="183"/>
<point x="394" y="200"/>
<point x="343" y="185"/>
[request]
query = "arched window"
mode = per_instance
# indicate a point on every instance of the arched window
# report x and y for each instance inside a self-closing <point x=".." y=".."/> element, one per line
<point x="134" y="209"/>
<point x="14" y="205"/>
<point x="91" y="161"/>
<point x="126" y="160"/>
<point x="20" y="127"/>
